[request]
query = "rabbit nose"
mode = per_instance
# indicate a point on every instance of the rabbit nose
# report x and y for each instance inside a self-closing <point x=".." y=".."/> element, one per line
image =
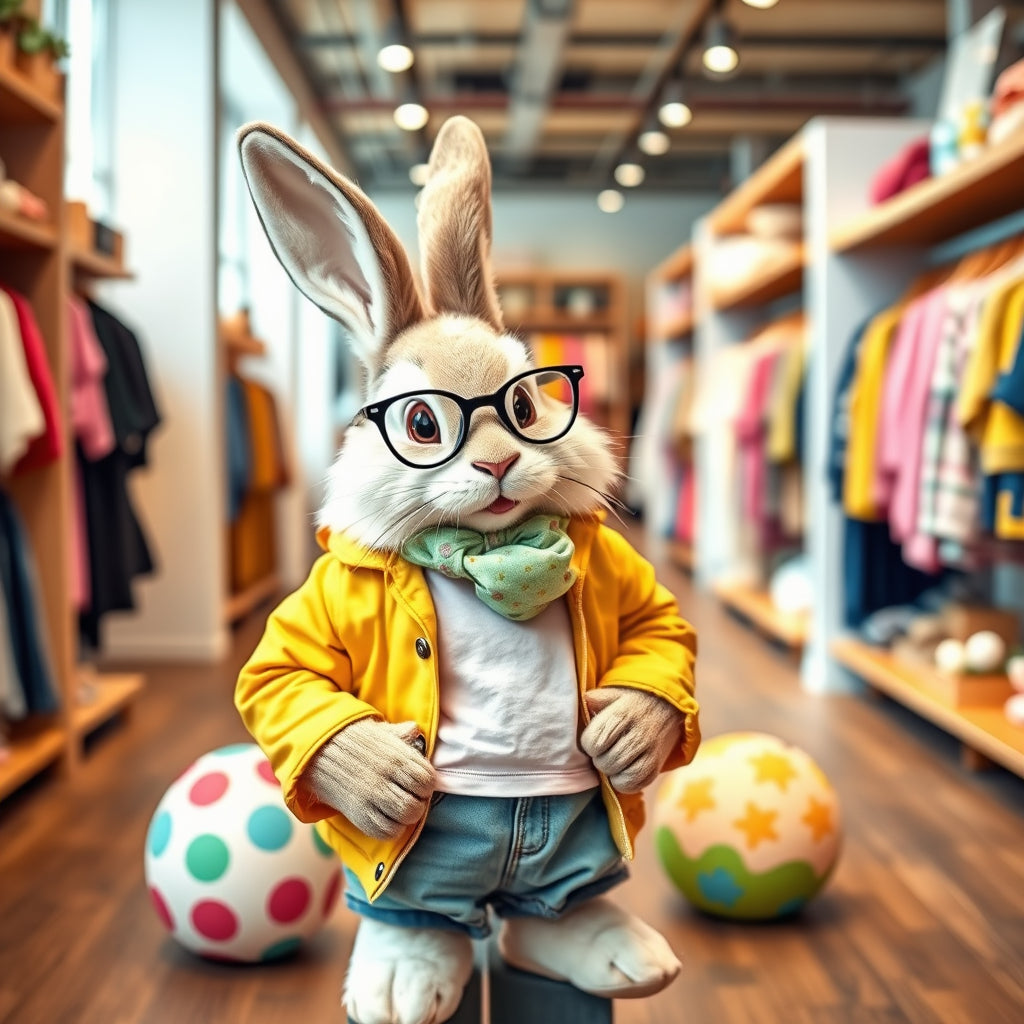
<point x="496" y="469"/>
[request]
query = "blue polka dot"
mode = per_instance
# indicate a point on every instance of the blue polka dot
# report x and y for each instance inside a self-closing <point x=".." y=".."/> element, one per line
<point x="280" y="949"/>
<point x="791" y="906"/>
<point x="234" y="748"/>
<point x="719" y="887"/>
<point x="269" y="827"/>
<point x="159" y="833"/>
<point x="321" y="846"/>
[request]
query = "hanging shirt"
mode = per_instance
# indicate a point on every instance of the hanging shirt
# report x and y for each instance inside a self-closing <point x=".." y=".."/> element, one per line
<point x="21" y="416"/>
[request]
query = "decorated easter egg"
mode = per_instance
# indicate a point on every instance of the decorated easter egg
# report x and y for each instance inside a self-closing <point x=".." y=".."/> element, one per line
<point x="231" y="873"/>
<point x="750" y="829"/>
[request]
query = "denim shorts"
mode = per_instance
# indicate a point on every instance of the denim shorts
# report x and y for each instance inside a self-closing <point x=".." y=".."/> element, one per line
<point x="522" y="857"/>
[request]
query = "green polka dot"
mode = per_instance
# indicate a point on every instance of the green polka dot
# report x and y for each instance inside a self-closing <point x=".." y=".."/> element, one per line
<point x="321" y="846"/>
<point x="159" y="833"/>
<point x="269" y="827"/>
<point x="234" y="748"/>
<point x="279" y="949"/>
<point x="207" y="858"/>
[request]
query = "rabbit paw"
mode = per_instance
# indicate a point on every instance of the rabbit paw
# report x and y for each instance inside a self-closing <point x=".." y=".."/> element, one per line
<point x="406" y="975"/>
<point x="599" y="948"/>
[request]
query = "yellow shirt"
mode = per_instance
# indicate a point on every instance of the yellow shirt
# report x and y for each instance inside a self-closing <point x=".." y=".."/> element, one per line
<point x="865" y="407"/>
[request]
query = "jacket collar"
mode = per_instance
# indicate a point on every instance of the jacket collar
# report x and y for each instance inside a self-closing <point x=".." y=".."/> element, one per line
<point x="582" y="531"/>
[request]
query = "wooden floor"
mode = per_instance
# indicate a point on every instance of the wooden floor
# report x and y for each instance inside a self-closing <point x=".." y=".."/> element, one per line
<point x="923" y="922"/>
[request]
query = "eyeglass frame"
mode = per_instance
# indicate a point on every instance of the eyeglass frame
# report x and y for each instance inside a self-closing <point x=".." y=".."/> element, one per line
<point x="375" y="411"/>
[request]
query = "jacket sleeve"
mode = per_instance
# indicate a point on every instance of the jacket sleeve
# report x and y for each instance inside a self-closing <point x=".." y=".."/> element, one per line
<point x="657" y="647"/>
<point x="295" y="691"/>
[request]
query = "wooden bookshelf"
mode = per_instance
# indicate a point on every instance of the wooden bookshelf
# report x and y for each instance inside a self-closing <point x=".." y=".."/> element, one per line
<point x="937" y="209"/>
<point x="774" y="280"/>
<point x="21" y="104"/>
<point x="33" y="749"/>
<point x="109" y="694"/>
<point x="680" y="552"/>
<point x="676" y="266"/>
<point x="19" y="233"/>
<point x="98" y="265"/>
<point x="780" y="179"/>
<point x="983" y="729"/>
<point x="755" y="605"/>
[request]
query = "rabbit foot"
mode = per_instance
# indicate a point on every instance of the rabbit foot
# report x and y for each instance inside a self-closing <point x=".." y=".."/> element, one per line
<point x="599" y="948"/>
<point x="406" y="975"/>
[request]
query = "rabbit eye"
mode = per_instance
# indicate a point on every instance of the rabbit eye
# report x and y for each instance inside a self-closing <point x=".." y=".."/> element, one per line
<point x="421" y="425"/>
<point x="522" y="408"/>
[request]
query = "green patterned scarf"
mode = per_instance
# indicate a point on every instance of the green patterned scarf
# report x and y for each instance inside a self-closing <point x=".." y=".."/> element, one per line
<point x="517" y="572"/>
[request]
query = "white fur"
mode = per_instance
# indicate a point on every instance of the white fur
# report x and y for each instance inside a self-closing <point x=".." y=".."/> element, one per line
<point x="599" y="948"/>
<point x="406" y="975"/>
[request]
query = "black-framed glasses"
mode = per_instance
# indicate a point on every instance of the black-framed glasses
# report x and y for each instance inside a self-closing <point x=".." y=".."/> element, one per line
<point x="428" y="428"/>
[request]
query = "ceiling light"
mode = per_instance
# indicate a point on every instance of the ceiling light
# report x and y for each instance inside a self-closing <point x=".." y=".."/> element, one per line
<point x="720" y="56"/>
<point x="761" y="5"/>
<point x="673" y="112"/>
<point x="411" y="117"/>
<point x="419" y="173"/>
<point x="395" y="57"/>
<point x="654" y="142"/>
<point x="629" y="175"/>
<point x="610" y="200"/>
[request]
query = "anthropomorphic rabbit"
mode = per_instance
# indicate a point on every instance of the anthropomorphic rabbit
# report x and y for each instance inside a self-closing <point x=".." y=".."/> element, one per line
<point x="479" y="677"/>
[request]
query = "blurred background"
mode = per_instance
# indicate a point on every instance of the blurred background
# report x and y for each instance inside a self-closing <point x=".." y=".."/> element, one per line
<point x="784" y="237"/>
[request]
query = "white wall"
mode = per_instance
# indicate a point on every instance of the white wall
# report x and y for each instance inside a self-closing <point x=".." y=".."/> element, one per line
<point x="165" y="108"/>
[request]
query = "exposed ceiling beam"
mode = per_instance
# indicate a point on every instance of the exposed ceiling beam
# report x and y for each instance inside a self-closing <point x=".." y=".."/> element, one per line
<point x="536" y="74"/>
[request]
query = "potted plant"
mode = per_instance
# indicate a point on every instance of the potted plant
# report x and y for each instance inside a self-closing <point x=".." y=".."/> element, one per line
<point x="38" y="53"/>
<point x="9" y="10"/>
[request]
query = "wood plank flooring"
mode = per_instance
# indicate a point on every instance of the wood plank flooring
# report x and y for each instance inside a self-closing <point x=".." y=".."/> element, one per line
<point x="923" y="921"/>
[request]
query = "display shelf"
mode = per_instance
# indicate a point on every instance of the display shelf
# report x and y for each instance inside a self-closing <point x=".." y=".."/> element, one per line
<point x="99" y="265"/>
<point x="756" y="606"/>
<point x="774" y="280"/>
<point x="780" y="179"/>
<point x="239" y="605"/>
<point x="20" y="102"/>
<point x="680" y="552"/>
<point x="679" y="264"/>
<point x="109" y="694"/>
<point x="20" y="233"/>
<point x="31" y="751"/>
<point x="938" y="209"/>
<point x="674" y="328"/>
<point x="983" y="729"/>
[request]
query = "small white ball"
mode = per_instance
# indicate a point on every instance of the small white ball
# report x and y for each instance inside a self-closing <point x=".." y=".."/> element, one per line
<point x="1014" y="708"/>
<point x="984" y="651"/>
<point x="1015" y="670"/>
<point x="949" y="656"/>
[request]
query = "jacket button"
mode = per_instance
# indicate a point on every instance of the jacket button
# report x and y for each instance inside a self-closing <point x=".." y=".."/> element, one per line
<point x="422" y="648"/>
<point x="420" y="743"/>
<point x="380" y="871"/>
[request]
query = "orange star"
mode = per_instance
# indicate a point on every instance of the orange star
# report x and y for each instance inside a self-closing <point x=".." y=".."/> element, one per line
<point x="757" y="824"/>
<point x="818" y="819"/>
<point x="774" y="768"/>
<point x="697" y="797"/>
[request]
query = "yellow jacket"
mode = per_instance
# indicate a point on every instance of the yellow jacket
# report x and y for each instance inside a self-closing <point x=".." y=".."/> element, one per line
<point x="359" y="637"/>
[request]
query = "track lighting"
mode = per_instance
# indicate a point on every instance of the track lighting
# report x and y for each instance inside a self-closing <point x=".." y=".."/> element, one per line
<point x="673" y="111"/>
<point x="653" y="141"/>
<point x="395" y="57"/>
<point x="610" y="200"/>
<point x="761" y="5"/>
<point x="411" y="117"/>
<point x="720" y="56"/>
<point x="629" y="175"/>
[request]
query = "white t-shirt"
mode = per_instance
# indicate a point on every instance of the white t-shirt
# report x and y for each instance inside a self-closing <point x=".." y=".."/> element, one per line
<point x="509" y="699"/>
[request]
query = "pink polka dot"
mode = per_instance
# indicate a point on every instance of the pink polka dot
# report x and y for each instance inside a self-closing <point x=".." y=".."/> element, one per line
<point x="209" y="789"/>
<point x="288" y="901"/>
<point x="214" y="920"/>
<point x="266" y="772"/>
<point x="161" y="908"/>
<point x="331" y="896"/>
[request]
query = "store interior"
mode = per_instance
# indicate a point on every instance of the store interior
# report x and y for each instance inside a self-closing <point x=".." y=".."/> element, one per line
<point x="785" y="241"/>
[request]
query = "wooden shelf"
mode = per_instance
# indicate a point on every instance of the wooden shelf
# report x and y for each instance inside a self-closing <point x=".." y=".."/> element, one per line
<point x="239" y="605"/>
<point x="677" y="327"/>
<point x="773" y="281"/>
<point x="935" y="210"/>
<point x="552" y="320"/>
<point x="99" y="265"/>
<point x="756" y="606"/>
<point x="19" y="101"/>
<point x="20" y="233"/>
<point x="110" y="695"/>
<point x="676" y="266"/>
<point x="982" y="729"/>
<point x="780" y="179"/>
<point x="31" y="751"/>
<point x="681" y="554"/>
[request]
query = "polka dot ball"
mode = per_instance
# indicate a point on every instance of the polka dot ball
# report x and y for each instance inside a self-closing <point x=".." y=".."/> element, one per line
<point x="231" y="874"/>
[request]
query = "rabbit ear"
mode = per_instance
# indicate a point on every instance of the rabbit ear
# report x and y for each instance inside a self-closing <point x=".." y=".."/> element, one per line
<point x="455" y="225"/>
<point x="331" y="240"/>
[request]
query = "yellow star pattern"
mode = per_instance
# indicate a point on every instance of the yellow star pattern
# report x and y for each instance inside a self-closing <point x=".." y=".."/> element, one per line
<point x="697" y="797"/>
<point x="775" y="768"/>
<point x="759" y="825"/>
<point x="818" y="819"/>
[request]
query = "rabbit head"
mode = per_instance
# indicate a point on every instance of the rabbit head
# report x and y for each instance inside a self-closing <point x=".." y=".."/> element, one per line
<point x="340" y="253"/>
